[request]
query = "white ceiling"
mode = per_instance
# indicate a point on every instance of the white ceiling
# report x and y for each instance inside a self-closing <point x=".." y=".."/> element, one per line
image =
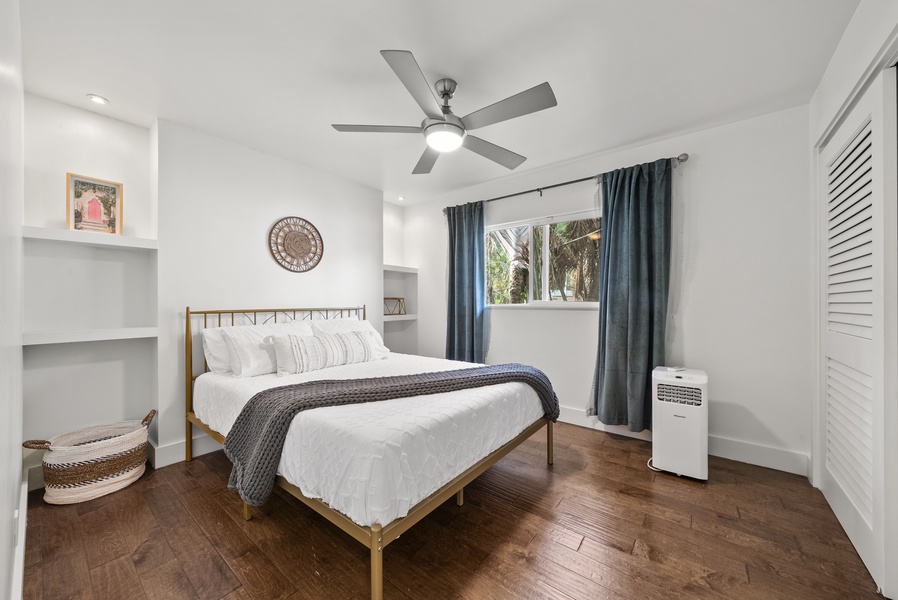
<point x="274" y="74"/>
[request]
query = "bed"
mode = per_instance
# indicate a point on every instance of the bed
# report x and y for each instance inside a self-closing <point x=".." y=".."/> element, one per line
<point x="375" y="469"/>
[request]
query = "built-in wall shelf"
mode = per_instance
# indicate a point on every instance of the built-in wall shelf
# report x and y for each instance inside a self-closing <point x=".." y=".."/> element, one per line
<point x="402" y="282"/>
<point x="87" y="238"/>
<point x="37" y="338"/>
<point x="398" y="269"/>
<point x="388" y="318"/>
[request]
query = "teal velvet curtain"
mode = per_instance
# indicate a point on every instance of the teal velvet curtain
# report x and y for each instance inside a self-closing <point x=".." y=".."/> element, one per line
<point x="633" y="292"/>
<point x="467" y="282"/>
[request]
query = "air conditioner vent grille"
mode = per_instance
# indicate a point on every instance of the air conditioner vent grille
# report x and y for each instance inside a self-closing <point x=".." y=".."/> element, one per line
<point x="679" y="394"/>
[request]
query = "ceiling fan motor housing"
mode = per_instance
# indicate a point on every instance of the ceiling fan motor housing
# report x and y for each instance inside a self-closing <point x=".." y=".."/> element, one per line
<point x="444" y="135"/>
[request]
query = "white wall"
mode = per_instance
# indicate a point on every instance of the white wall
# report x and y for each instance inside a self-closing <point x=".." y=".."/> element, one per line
<point x="741" y="284"/>
<point x="217" y="203"/>
<point x="394" y="234"/>
<point x="62" y="139"/>
<point x="11" y="207"/>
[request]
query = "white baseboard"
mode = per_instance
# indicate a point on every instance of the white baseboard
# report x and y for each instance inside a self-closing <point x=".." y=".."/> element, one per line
<point x="33" y="469"/>
<point x="18" y="570"/>
<point x="162" y="456"/>
<point x="747" y="452"/>
<point x="577" y="416"/>
<point x="789" y="461"/>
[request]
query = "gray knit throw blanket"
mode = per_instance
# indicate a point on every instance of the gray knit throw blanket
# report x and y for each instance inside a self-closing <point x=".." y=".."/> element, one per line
<point x="256" y="440"/>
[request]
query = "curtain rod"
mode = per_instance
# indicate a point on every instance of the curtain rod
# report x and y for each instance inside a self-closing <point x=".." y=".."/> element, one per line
<point x="681" y="158"/>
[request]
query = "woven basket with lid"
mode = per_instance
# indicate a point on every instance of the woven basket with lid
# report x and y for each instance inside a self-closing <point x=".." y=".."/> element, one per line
<point x="92" y="462"/>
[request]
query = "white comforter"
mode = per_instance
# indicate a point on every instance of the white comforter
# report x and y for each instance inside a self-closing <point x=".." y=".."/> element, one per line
<point x="375" y="461"/>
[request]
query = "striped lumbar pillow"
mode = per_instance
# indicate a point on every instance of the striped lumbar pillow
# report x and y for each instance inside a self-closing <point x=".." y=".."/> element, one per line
<point x="301" y="354"/>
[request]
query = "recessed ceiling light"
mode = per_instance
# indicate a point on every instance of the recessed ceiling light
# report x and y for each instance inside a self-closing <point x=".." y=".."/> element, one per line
<point x="401" y="198"/>
<point x="98" y="99"/>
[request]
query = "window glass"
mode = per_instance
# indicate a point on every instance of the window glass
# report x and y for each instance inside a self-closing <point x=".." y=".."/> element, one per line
<point x="558" y="262"/>
<point x="574" y="260"/>
<point x="508" y="265"/>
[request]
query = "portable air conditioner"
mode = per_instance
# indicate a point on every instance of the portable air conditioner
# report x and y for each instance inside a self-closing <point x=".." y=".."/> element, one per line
<point x="680" y="421"/>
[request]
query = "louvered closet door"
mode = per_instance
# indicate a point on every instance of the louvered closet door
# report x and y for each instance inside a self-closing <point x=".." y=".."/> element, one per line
<point x="858" y="166"/>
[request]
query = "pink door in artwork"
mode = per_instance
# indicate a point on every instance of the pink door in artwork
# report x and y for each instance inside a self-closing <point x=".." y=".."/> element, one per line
<point x="94" y="210"/>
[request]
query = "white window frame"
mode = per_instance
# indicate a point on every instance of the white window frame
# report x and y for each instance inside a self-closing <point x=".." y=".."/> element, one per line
<point x="537" y="222"/>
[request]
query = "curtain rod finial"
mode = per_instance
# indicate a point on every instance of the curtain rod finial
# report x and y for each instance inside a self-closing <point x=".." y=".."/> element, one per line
<point x="683" y="157"/>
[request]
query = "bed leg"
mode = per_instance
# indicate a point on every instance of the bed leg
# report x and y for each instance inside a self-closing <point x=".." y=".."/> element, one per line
<point x="377" y="563"/>
<point x="460" y="497"/>
<point x="188" y="442"/>
<point x="247" y="512"/>
<point x="550" y="455"/>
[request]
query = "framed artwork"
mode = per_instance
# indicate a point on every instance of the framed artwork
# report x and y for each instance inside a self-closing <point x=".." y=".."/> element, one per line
<point x="93" y="204"/>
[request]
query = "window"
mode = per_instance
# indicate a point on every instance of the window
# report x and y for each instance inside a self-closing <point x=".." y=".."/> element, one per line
<point x="548" y="261"/>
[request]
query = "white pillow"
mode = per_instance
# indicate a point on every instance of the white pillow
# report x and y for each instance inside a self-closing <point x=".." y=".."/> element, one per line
<point x="301" y="354"/>
<point x="331" y="326"/>
<point x="248" y="351"/>
<point x="216" y="352"/>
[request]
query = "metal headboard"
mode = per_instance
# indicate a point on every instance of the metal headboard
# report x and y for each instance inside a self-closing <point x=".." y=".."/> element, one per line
<point x="250" y="316"/>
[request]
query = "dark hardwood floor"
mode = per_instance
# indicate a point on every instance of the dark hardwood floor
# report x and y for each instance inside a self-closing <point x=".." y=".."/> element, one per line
<point x="598" y="524"/>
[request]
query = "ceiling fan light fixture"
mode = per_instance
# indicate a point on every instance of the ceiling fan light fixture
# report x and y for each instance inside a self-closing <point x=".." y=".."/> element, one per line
<point x="444" y="136"/>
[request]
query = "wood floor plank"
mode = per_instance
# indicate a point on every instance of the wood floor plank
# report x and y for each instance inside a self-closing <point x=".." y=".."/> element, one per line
<point x="116" y="579"/>
<point x="66" y="577"/>
<point x="667" y="490"/>
<point x="260" y="578"/>
<point x="597" y="524"/>
<point x="101" y="537"/>
<point x="296" y="541"/>
<point x="32" y="582"/>
<point x="33" y="534"/>
<point x="256" y="573"/>
<point x="790" y="565"/>
<point x="168" y="581"/>
<point x="787" y="586"/>
<point x="516" y="566"/>
<point x="134" y="518"/>
<point x="678" y="553"/>
<point x="60" y="532"/>
<point x="221" y="531"/>
<point x="625" y="584"/>
<point x="208" y="573"/>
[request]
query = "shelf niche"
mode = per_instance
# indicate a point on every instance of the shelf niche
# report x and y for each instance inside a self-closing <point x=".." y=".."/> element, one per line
<point x="79" y="287"/>
<point x="401" y="331"/>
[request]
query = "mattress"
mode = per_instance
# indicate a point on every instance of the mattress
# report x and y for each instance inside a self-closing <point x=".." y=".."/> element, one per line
<point x="373" y="462"/>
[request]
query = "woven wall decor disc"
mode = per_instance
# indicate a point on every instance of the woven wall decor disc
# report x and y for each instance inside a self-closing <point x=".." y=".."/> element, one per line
<point x="295" y="244"/>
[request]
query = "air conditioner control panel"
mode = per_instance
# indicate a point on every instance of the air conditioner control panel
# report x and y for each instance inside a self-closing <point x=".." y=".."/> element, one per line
<point x="680" y="375"/>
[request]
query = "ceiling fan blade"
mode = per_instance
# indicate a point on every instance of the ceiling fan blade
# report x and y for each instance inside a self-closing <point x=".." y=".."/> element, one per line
<point x="498" y="154"/>
<point x="425" y="163"/>
<point x="406" y="68"/>
<point x="377" y="128"/>
<point x="529" y="101"/>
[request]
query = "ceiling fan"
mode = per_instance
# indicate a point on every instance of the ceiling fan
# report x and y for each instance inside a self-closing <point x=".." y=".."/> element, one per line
<point x="444" y="131"/>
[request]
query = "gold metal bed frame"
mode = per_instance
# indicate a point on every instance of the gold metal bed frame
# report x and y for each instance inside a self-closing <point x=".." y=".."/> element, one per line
<point x="377" y="536"/>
